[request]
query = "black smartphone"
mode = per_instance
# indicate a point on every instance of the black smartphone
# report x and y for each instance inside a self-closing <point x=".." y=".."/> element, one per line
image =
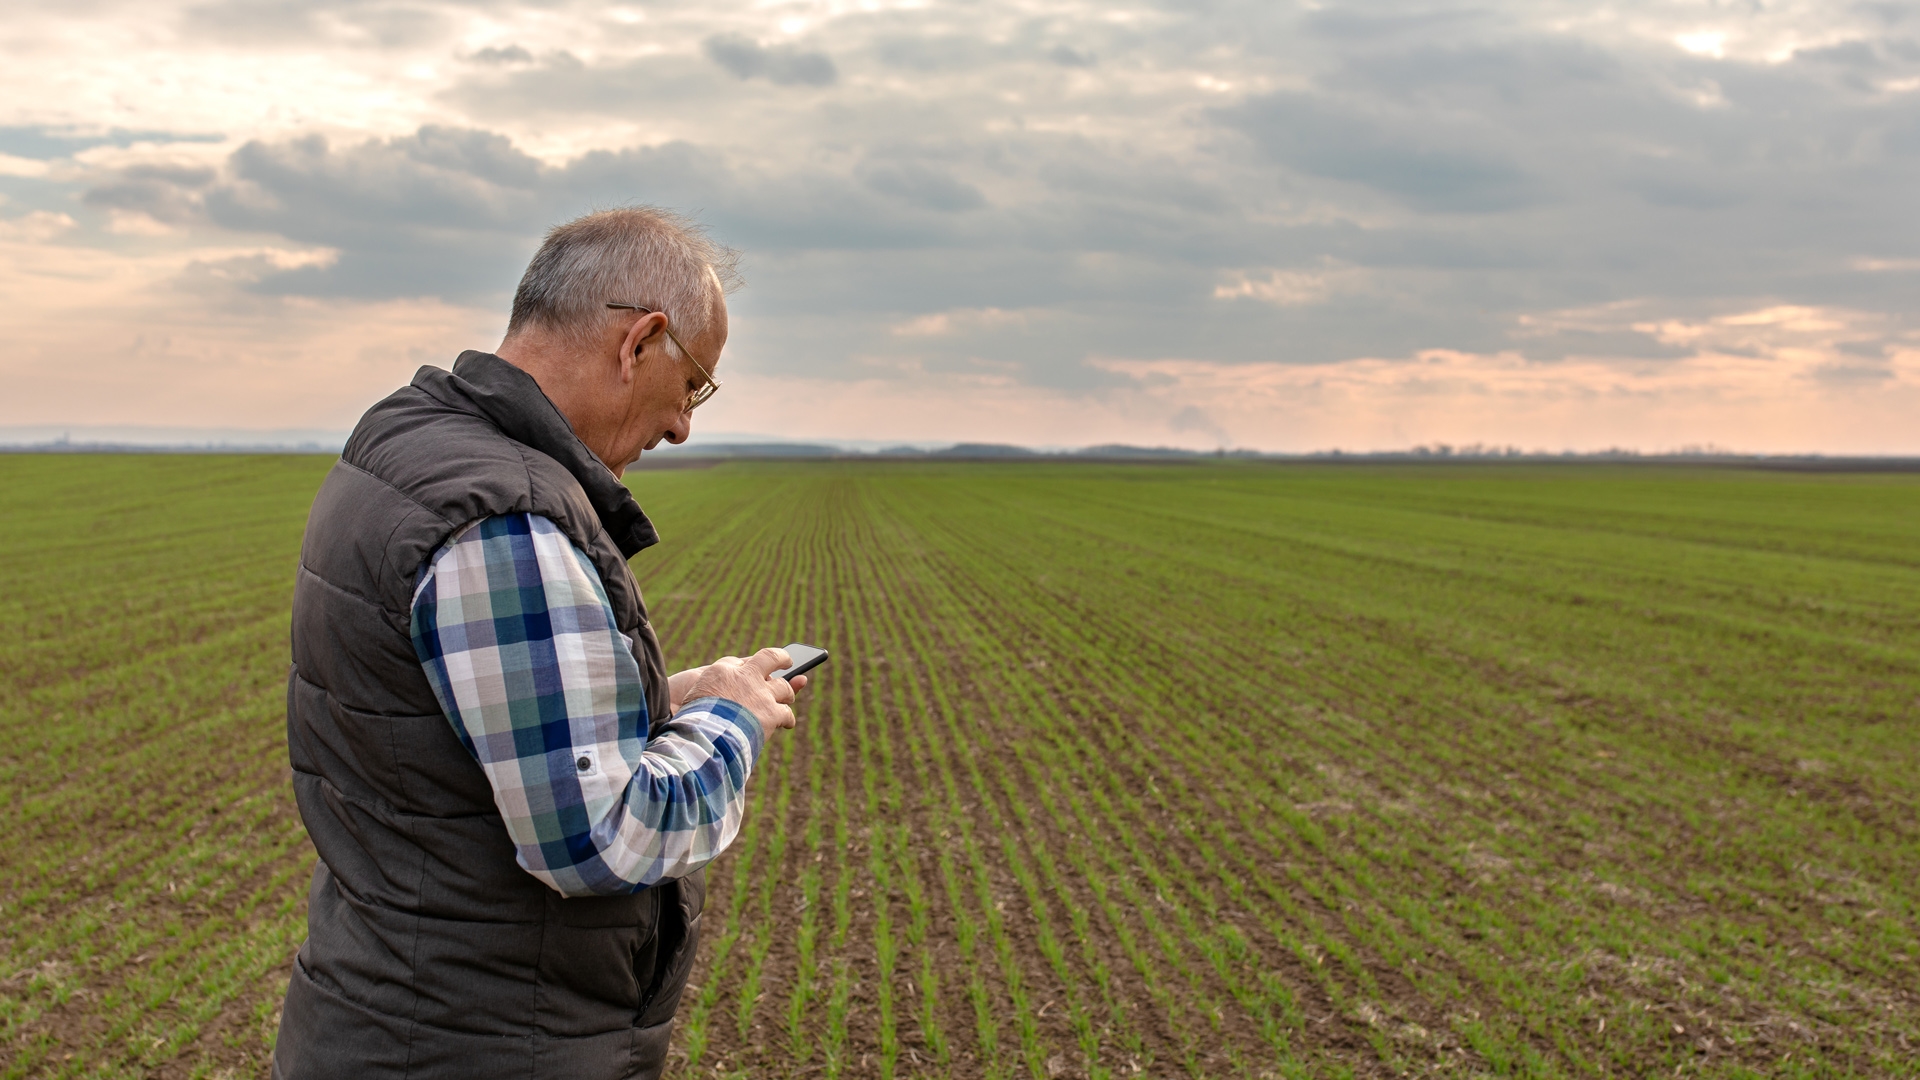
<point x="805" y="659"/>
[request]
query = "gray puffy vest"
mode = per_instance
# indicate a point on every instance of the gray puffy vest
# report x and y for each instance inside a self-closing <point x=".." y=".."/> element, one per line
<point x="430" y="952"/>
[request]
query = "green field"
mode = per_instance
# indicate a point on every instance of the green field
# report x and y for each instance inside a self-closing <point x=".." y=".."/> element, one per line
<point x="1192" y="770"/>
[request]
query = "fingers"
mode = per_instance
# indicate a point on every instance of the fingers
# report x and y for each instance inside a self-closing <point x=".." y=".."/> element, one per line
<point x="749" y="682"/>
<point x="798" y="682"/>
<point x="770" y="660"/>
<point x="782" y="691"/>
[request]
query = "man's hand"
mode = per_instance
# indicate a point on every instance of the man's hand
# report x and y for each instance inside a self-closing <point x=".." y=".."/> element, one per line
<point x="679" y="683"/>
<point x="748" y="682"/>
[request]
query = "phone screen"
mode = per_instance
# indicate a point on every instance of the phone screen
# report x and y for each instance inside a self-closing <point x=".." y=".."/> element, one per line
<point x="805" y="659"/>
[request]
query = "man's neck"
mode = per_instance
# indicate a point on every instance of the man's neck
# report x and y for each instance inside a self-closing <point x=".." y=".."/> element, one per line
<point x="567" y="381"/>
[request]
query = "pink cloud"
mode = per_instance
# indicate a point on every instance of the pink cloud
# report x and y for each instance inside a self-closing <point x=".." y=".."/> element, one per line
<point x="1769" y="380"/>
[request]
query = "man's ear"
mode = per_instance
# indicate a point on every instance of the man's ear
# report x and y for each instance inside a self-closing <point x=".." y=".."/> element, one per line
<point x="644" y="328"/>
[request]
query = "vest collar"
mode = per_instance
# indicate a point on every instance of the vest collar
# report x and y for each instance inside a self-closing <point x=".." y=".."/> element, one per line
<point x="482" y="382"/>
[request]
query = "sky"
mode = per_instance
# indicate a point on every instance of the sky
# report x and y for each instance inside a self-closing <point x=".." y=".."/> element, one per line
<point x="1268" y="225"/>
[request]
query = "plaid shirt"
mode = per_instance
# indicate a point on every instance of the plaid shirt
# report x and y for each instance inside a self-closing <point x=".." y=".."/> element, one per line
<point x="513" y="627"/>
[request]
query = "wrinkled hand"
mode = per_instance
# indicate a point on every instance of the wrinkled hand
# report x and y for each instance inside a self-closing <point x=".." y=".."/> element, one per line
<point x="748" y="682"/>
<point x="679" y="683"/>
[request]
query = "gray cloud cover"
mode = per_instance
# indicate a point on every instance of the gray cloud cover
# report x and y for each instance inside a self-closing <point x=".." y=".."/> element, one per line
<point x="1232" y="182"/>
<point x="781" y="65"/>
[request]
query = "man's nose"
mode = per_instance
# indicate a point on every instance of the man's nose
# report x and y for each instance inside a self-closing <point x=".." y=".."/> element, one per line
<point x="682" y="427"/>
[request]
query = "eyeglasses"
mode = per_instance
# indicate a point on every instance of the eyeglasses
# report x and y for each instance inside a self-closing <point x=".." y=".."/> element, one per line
<point x="698" y="397"/>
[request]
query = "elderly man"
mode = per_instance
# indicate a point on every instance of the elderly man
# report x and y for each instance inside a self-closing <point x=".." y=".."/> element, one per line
<point x="511" y="799"/>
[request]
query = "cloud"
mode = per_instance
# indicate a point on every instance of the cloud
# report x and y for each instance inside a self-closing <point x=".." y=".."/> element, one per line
<point x="1068" y="56"/>
<point x="1288" y="288"/>
<point x="511" y="54"/>
<point x="1792" y="393"/>
<point x="220" y="273"/>
<point x="438" y="176"/>
<point x="245" y="22"/>
<point x="782" y="65"/>
<point x="1783" y="403"/>
<point x="1238" y="185"/>
<point x="443" y="212"/>
<point x="959" y="320"/>
<point x="170" y="194"/>
<point x="1434" y="170"/>
<point x="1845" y="373"/>
<point x="306" y="23"/>
<point x="561" y="85"/>
<point x="45" y="143"/>
<point x="1191" y="419"/>
<point x="38" y="227"/>
<point x="454" y="213"/>
<point x="1848" y="54"/>
<point x="24" y="167"/>
<point x="933" y="53"/>
<point x="922" y="185"/>
<point x="168" y="334"/>
<point x="1384" y="25"/>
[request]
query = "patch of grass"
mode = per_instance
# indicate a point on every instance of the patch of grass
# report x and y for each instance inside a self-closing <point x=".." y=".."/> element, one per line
<point x="152" y="866"/>
<point x="1226" y="770"/>
<point x="1218" y="769"/>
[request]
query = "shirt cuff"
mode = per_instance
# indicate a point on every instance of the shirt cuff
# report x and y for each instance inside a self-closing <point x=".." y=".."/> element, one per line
<point x="734" y="713"/>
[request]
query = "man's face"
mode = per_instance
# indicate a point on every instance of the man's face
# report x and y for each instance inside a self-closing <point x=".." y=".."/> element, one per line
<point x="664" y="381"/>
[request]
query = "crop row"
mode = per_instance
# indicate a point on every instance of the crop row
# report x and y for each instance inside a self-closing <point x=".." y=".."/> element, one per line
<point x="1185" y="802"/>
<point x="1201" y="771"/>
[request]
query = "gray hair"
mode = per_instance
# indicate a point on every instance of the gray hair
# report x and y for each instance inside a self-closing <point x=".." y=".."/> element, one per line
<point x="634" y="255"/>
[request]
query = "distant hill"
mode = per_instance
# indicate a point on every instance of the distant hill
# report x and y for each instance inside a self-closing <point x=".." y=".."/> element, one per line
<point x="1122" y="450"/>
<point x="154" y="439"/>
<point x="747" y="450"/>
<point x="984" y="450"/>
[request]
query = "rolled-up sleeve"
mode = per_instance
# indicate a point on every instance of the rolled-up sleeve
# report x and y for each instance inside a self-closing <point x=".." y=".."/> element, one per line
<point x="513" y="628"/>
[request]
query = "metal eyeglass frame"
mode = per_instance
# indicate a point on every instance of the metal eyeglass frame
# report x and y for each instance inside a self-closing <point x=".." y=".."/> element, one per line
<point x="698" y="397"/>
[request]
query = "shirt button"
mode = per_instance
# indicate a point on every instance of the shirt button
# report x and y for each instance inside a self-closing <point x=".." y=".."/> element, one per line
<point x="585" y="763"/>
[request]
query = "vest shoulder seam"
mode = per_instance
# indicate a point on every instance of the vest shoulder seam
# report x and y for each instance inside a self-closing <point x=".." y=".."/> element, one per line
<point x="386" y="545"/>
<point x="342" y="589"/>
<point x="535" y="489"/>
<point x="388" y="484"/>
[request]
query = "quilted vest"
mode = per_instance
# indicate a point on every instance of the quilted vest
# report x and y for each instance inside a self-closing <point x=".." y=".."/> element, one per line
<point x="430" y="953"/>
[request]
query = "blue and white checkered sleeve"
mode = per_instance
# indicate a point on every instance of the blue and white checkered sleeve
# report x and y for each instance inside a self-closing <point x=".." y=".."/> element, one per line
<point x="513" y="628"/>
